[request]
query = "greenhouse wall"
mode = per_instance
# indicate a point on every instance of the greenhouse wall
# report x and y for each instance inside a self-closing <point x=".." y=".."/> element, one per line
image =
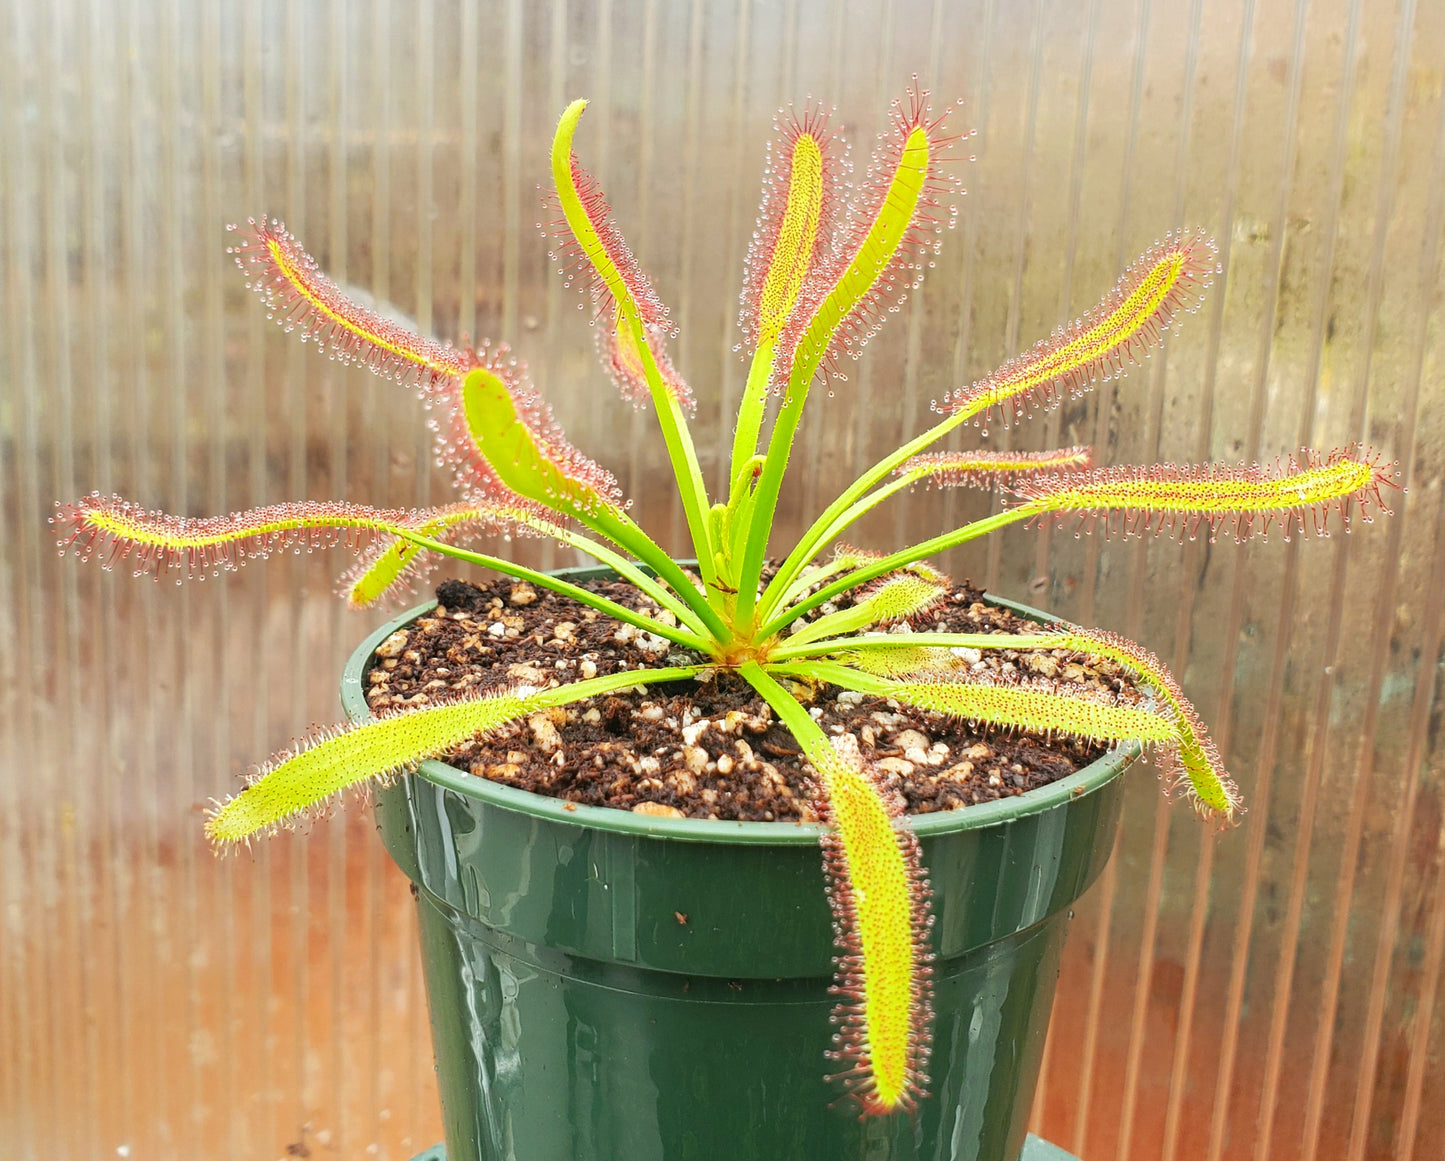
<point x="1270" y="992"/>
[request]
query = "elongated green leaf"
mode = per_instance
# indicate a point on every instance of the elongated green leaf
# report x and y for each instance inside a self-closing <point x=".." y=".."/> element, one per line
<point x="294" y="783"/>
<point x="879" y="894"/>
<point x="896" y="598"/>
<point x="1042" y="706"/>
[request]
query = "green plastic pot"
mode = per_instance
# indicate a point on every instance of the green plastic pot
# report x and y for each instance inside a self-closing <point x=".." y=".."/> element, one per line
<point x="607" y="986"/>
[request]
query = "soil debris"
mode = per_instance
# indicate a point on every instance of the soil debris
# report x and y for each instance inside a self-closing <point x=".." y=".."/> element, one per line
<point x="709" y="749"/>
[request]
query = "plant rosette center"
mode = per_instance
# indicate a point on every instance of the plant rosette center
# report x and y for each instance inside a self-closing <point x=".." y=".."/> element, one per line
<point x="708" y="748"/>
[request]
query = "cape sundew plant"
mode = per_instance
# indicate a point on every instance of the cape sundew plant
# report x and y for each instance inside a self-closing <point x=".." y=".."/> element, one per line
<point x="829" y="261"/>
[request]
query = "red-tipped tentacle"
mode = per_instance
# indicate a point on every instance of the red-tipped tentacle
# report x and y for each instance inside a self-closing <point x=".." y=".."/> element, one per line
<point x="300" y="297"/>
<point x="852" y="1049"/>
<point x="116" y="531"/>
<point x="1299" y="495"/>
<point x="934" y="211"/>
<point x="1167" y="281"/>
<point x="986" y="469"/>
<point x="806" y="160"/>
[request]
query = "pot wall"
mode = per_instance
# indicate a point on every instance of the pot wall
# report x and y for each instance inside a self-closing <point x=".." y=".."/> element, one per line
<point x="575" y="1015"/>
<point x="611" y="987"/>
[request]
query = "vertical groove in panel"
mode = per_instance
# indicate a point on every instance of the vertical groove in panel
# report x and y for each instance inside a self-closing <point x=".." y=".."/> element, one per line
<point x="297" y="1073"/>
<point x="676" y="524"/>
<point x="168" y="1004"/>
<point x="1423" y="1019"/>
<point x="512" y="168"/>
<point x="1413" y="768"/>
<point x="1317" y="748"/>
<point x="338" y="926"/>
<point x="1019" y="259"/>
<point x="735" y="150"/>
<point x="147" y="911"/>
<point x="103" y="1060"/>
<point x="265" y="1052"/>
<point x="24" y="889"/>
<point x="1254" y="852"/>
<point x="1384" y="600"/>
<point x="812" y="434"/>
<point x="425" y="210"/>
<point x="865" y="419"/>
<point x="691" y="119"/>
<point x="218" y="902"/>
<point x="175" y="171"/>
<point x="1052" y="422"/>
<point x="467" y="207"/>
<point x="642" y="234"/>
<point x="968" y="243"/>
<point x="1204" y="864"/>
<point x="72" y="817"/>
<point x="1066" y="309"/>
<point x="909" y="408"/>
<point x="399" y="1016"/>
<point x="1102" y="448"/>
<point x="12" y="952"/>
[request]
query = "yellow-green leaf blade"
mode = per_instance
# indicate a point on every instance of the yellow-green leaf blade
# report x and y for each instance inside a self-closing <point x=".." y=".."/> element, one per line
<point x="294" y="783"/>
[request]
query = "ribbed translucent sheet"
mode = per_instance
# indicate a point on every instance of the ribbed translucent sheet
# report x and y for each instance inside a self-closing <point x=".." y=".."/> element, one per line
<point x="1273" y="992"/>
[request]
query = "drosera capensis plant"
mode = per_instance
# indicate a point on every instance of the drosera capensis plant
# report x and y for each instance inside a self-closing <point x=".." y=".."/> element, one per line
<point x="829" y="261"/>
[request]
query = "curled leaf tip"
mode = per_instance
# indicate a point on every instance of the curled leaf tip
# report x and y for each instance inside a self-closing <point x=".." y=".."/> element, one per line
<point x="589" y="248"/>
<point x="392" y="570"/>
<point x="622" y="356"/>
<point x="1190" y="761"/>
<point x="513" y="432"/>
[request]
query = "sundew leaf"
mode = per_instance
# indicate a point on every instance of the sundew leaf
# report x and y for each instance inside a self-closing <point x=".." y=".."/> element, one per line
<point x="1298" y="495"/>
<point x="117" y="531"/>
<point x="896" y="222"/>
<point x="1166" y="281"/>
<point x="803" y="191"/>
<point x="1195" y="763"/>
<point x="848" y="558"/>
<point x="618" y="348"/>
<point x="1191" y="762"/>
<point x="301" y="298"/>
<point x="391" y="570"/>
<point x="514" y="433"/>
<point x="803" y="195"/>
<point x="986" y="469"/>
<point x="895" y="598"/>
<point x="879" y="893"/>
<point x="292" y="785"/>
<point x="592" y="248"/>
<point x="893" y="225"/>
<point x="898" y="661"/>
<point x="1041" y="705"/>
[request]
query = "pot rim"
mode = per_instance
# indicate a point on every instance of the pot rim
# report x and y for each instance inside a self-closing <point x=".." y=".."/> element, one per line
<point x="700" y="830"/>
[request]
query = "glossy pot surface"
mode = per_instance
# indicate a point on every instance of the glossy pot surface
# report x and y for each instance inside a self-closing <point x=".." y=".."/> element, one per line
<point x="606" y="986"/>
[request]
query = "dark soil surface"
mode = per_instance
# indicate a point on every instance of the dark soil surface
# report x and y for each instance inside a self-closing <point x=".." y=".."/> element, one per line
<point x="707" y="749"/>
